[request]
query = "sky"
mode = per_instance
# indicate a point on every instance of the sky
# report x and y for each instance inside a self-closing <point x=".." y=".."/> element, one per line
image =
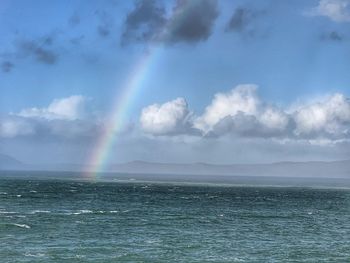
<point x="180" y="81"/>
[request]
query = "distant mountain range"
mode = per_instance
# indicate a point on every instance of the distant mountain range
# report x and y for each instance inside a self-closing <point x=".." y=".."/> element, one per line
<point x="9" y="163"/>
<point x="335" y="169"/>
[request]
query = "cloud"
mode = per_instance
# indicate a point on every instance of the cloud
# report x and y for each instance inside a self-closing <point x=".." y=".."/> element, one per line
<point x="243" y="21"/>
<point x="172" y="117"/>
<point x="74" y="20"/>
<point x="240" y="19"/>
<point x="241" y="112"/>
<point x="105" y="26"/>
<point x="330" y="118"/>
<point x="242" y="99"/>
<point x="7" y="66"/>
<point x="70" y="108"/>
<point x="192" y="21"/>
<point x="13" y="126"/>
<point x="336" y="10"/>
<point x="144" y="22"/>
<point x="189" y="21"/>
<point x="38" y="50"/>
<point x="68" y="117"/>
<point x="332" y="36"/>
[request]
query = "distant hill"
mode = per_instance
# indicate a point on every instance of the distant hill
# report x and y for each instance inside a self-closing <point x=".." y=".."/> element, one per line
<point x="335" y="169"/>
<point x="10" y="163"/>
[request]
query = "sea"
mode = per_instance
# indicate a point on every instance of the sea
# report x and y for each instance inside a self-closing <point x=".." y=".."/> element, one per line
<point x="62" y="220"/>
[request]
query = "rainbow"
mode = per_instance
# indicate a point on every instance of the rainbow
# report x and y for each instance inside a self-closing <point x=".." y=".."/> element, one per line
<point x="133" y="84"/>
<point x="115" y="122"/>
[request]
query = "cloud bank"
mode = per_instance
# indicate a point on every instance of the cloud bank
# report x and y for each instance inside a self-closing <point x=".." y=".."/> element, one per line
<point x="241" y="112"/>
<point x="65" y="117"/>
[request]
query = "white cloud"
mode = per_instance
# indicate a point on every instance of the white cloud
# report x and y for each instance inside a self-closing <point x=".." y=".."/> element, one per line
<point x="331" y="117"/>
<point x="169" y="118"/>
<point x="336" y="10"/>
<point x="241" y="99"/>
<point x="241" y="111"/>
<point x="70" y="108"/>
<point x="274" y="119"/>
<point x="65" y="117"/>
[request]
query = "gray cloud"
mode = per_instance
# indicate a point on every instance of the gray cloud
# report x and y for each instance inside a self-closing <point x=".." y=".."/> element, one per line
<point x="143" y="22"/>
<point x="39" y="52"/>
<point x="249" y="126"/>
<point x="105" y="26"/>
<point x="74" y="20"/>
<point x="332" y="36"/>
<point x="242" y="21"/>
<point x="7" y="66"/>
<point x="77" y="40"/>
<point x="192" y="21"/>
<point x="239" y="20"/>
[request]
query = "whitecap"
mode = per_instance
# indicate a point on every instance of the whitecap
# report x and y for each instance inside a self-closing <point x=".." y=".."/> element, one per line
<point x="83" y="211"/>
<point x="38" y="255"/>
<point x="40" y="211"/>
<point x="21" y="225"/>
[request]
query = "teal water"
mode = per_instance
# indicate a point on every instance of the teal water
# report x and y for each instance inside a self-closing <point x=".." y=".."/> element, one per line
<point x="71" y="221"/>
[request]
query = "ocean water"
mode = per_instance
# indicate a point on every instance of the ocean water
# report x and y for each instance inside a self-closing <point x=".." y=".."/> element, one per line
<point x="72" y="221"/>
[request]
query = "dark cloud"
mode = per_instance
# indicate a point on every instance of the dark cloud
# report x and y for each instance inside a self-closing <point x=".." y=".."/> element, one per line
<point x="7" y="66"/>
<point x="77" y="40"/>
<point x="332" y="36"/>
<point x="192" y="21"/>
<point x="105" y="24"/>
<point x="103" y="30"/>
<point x="239" y="20"/>
<point x="144" y="22"/>
<point x="38" y="50"/>
<point x="74" y="20"/>
<point x="242" y="21"/>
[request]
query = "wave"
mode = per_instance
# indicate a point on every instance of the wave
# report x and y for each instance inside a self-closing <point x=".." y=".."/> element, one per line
<point x="38" y="255"/>
<point x="40" y="211"/>
<point x="21" y="225"/>
<point x="86" y="211"/>
<point x="7" y="212"/>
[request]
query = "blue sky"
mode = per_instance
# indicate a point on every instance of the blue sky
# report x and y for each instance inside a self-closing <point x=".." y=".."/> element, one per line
<point x="296" y="52"/>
